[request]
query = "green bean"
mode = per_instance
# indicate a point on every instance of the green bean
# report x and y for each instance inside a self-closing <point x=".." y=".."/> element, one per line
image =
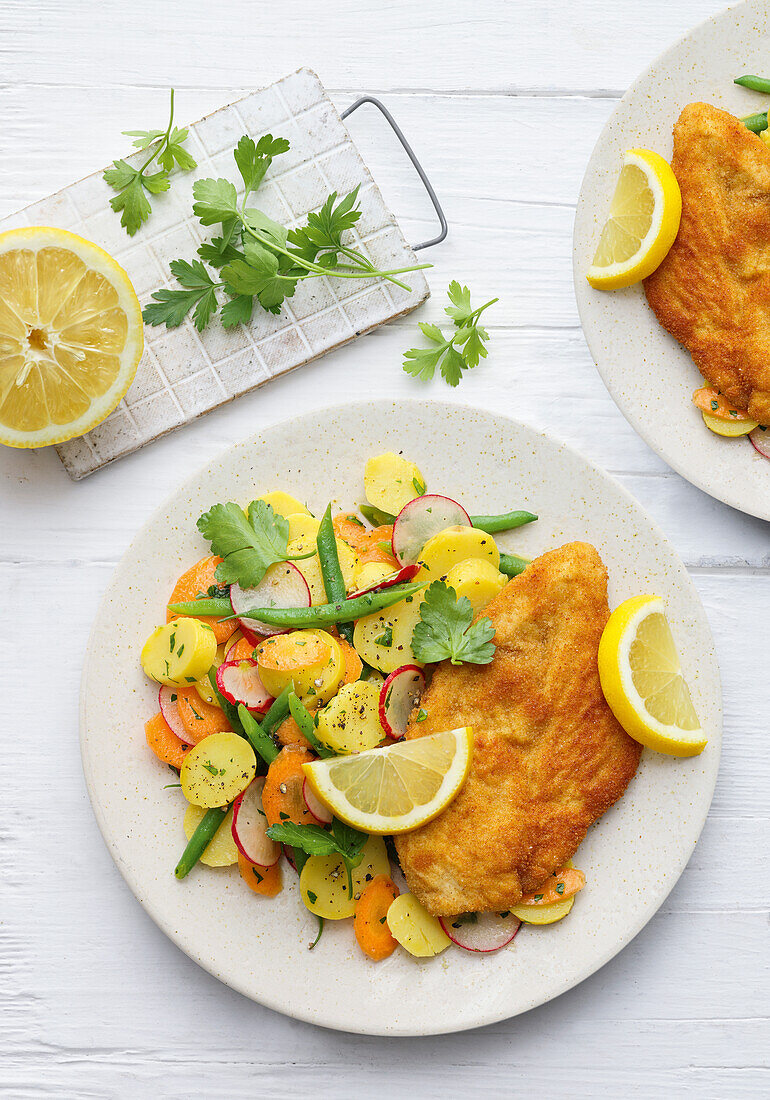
<point x="755" y="83"/>
<point x="215" y="608"/>
<point x="329" y="560"/>
<point x="200" y="840"/>
<point x="756" y="123"/>
<point x="340" y="612"/>
<point x="512" y="564"/>
<point x="505" y="522"/>
<point x="376" y="516"/>
<point x="304" y="720"/>
<point x="260" y="741"/>
<point x="279" y="709"/>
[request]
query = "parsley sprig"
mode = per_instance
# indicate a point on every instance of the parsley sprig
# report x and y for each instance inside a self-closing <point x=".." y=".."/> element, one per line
<point x="342" y="840"/>
<point x="446" y="629"/>
<point x="464" y="347"/>
<point x="259" y="261"/>
<point x="247" y="543"/>
<point x="166" y="149"/>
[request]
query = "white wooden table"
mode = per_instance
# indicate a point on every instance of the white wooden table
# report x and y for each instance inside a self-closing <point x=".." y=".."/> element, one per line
<point x="503" y="101"/>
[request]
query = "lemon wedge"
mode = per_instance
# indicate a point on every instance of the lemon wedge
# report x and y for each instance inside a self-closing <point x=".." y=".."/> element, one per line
<point x="730" y="428"/>
<point x="397" y="788"/>
<point x="644" y="220"/>
<point x="642" y="679"/>
<point x="71" y="336"/>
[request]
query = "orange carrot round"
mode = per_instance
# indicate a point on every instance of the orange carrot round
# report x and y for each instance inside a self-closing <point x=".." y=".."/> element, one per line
<point x="714" y="403"/>
<point x="197" y="579"/>
<point x="364" y="540"/>
<point x="164" y="742"/>
<point x="267" y="881"/>
<point x="289" y="733"/>
<point x="243" y="650"/>
<point x="560" y="886"/>
<point x="199" y="718"/>
<point x="353" y="663"/>
<point x="370" y="926"/>
<point x="282" y="797"/>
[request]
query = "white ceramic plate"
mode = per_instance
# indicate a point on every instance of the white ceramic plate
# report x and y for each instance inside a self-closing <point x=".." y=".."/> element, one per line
<point x="632" y="858"/>
<point x="650" y="376"/>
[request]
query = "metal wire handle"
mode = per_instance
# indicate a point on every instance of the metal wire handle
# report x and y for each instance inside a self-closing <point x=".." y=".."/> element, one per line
<point x="418" y="167"/>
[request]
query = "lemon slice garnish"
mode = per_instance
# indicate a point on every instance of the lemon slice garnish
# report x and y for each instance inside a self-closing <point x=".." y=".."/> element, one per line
<point x="642" y="679"/>
<point x="643" y="223"/>
<point x="397" y="788"/>
<point x="70" y="336"/>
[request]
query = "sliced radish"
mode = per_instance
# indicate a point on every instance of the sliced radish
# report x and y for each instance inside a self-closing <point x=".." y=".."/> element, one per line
<point x="282" y="586"/>
<point x="399" y="577"/>
<point x="250" y="827"/>
<point x="481" y="931"/>
<point x="420" y="520"/>
<point x="239" y="682"/>
<point x="322" y="815"/>
<point x="760" y="441"/>
<point x="288" y="851"/>
<point x="170" y="712"/>
<point x="399" y="695"/>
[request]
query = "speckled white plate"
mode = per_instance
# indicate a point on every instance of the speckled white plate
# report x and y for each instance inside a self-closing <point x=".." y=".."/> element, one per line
<point x="650" y="376"/>
<point x="258" y="946"/>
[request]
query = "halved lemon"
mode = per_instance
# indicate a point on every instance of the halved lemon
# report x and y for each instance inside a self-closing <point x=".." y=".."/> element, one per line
<point x="643" y="223"/>
<point x="730" y="428"/>
<point x="71" y="336"/>
<point x="397" y="788"/>
<point x="642" y="679"/>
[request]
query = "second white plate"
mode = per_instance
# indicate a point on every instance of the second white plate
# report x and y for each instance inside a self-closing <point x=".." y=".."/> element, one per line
<point x="650" y="376"/>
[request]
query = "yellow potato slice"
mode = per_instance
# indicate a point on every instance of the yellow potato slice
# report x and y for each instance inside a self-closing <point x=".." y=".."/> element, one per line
<point x="478" y="579"/>
<point x="301" y="658"/>
<point x="351" y="721"/>
<point x="372" y="572"/>
<point x="543" y="914"/>
<point x="203" y="686"/>
<point x="217" y="770"/>
<point x="323" y="882"/>
<point x="180" y="652"/>
<point x="391" y="481"/>
<point x="415" y="928"/>
<point x="283" y="504"/>
<point x="221" y="850"/>
<point x="452" y="546"/>
<point x="303" y="530"/>
<point x="384" y="639"/>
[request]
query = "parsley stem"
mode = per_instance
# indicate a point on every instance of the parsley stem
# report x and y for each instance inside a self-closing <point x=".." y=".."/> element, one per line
<point x="163" y="142"/>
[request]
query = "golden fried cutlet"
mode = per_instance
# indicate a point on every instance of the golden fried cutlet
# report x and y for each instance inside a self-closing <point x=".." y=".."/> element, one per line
<point x="712" y="291"/>
<point x="549" y="757"/>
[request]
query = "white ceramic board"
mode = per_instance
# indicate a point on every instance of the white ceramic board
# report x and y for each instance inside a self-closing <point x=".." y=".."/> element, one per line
<point x="632" y="857"/>
<point x="650" y="376"/>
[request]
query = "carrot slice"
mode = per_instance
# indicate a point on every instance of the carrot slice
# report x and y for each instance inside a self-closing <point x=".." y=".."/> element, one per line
<point x="370" y="926"/>
<point x="364" y="540"/>
<point x="199" y="718"/>
<point x="164" y="742"/>
<point x="267" y="881"/>
<point x="560" y="886"/>
<point x="199" y="578"/>
<point x="289" y="733"/>
<point x="243" y="650"/>
<point x="282" y="797"/>
<point x="714" y="403"/>
<point x="353" y="663"/>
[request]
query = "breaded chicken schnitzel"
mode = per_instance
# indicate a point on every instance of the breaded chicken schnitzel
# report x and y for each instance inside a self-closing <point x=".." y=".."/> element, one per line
<point x="712" y="291"/>
<point x="549" y="757"/>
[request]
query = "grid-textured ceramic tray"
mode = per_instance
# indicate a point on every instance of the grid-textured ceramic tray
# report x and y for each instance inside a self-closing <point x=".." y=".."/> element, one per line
<point x="183" y="373"/>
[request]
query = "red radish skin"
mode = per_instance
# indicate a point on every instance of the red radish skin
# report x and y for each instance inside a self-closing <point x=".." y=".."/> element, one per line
<point x="399" y="695"/>
<point x="239" y="682"/>
<point x="322" y="815"/>
<point x="406" y="573"/>
<point x="760" y="441"/>
<point x="282" y="586"/>
<point x="170" y="712"/>
<point x="489" y="932"/>
<point x="420" y="520"/>
<point x="249" y="827"/>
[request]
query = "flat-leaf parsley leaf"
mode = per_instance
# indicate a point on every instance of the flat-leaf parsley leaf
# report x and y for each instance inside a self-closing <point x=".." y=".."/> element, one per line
<point x="464" y="347"/>
<point x="248" y="544"/>
<point x="446" y="629"/>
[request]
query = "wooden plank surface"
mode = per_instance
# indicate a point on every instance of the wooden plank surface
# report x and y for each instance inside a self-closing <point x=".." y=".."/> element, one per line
<point x="503" y="102"/>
